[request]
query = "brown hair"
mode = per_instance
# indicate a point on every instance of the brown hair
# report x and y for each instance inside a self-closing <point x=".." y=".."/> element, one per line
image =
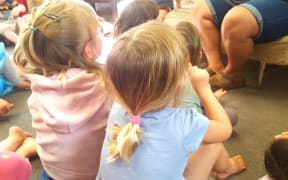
<point x="192" y="41"/>
<point x="134" y="14"/>
<point x="145" y="70"/>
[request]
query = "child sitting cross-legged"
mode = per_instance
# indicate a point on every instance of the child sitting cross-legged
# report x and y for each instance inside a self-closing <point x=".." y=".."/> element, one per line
<point x="68" y="103"/>
<point x="148" y="136"/>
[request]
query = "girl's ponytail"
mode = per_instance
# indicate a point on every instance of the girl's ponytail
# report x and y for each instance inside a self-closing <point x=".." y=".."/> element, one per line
<point x="124" y="140"/>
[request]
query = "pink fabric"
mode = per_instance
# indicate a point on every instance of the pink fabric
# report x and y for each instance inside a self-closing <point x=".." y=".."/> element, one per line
<point x="69" y="117"/>
<point x="14" y="166"/>
<point x="135" y="120"/>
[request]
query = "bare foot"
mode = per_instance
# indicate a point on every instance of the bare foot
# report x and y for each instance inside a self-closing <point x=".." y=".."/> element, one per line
<point x="14" y="140"/>
<point x="24" y="85"/>
<point x="237" y="166"/>
<point x="5" y="107"/>
<point x="283" y="135"/>
<point x="28" y="148"/>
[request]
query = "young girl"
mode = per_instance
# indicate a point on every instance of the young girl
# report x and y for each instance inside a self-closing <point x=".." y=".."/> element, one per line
<point x="147" y="136"/>
<point x="189" y="98"/>
<point x="68" y="104"/>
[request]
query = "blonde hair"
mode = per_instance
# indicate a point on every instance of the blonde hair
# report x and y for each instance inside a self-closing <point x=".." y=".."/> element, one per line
<point x="56" y="37"/>
<point x="145" y="70"/>
<point x="192" y="41"/>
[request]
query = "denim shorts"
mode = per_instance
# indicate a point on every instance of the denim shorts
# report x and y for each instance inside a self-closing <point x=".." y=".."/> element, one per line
<point x="165" y="4"/>
<point x="271" y="16"/>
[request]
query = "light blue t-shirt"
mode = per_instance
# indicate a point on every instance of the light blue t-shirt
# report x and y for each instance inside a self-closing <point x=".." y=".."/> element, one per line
<point x="169" y="136"/>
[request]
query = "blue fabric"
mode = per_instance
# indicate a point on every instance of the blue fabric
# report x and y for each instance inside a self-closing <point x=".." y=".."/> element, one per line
<point x="165" y="4"/>
<point x="5" y="86"/>
<point x="169" y="136"/>
<point x="44" y="175"/>
<point x="271" y="16"/>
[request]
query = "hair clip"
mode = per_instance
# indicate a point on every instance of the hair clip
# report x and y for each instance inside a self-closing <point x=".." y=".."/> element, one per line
<point x="32" y="28"/>
<point x="53" y="17"/>
<point x="135" y="120"/>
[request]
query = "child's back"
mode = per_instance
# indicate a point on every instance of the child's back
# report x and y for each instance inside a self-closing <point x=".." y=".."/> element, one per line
<point x="68" y="104"/>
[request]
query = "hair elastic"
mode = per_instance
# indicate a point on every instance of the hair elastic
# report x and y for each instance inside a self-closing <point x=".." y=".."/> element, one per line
<point x="135" y="119"/>
<point x="32" y="28"/>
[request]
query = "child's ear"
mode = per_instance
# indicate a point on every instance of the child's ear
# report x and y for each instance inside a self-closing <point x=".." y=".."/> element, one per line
<point x="88" y="50"/>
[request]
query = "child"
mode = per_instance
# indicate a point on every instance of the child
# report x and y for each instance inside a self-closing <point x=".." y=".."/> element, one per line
<point x="14" y="151"/>
<point x="134" y="14"/>
<point x="68" y="104"/>
<point x="9" y="10"/>
<point x="147" y="136"/>
<point x="189" y="97"/>
<point x="276" y="160"/>
<point x="9" y="75"/>
<point x="13" y="8"/>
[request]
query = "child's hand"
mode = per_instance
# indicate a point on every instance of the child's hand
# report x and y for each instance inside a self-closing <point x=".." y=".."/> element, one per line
<point x="199" y="78"/>
<point x="17" y="10"/>
<point x="220" y="93"/>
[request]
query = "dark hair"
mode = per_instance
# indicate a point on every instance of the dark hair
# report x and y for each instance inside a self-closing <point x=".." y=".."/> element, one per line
<point x="191" y="37"/>
<point x="276" y="160"/>
<point x="134" y="14"/>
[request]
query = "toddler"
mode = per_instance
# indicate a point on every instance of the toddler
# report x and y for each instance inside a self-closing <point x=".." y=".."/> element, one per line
<point x="68" y="104"/>
<point x="148" y="137"/>
<point x="189" y="97"/>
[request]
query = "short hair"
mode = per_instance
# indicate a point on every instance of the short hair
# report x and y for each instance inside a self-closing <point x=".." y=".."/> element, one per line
<point x="134" y="14"/>
<point x="55" y="38"/>
<point x="145" y="70"/>
<point x="276" y="159"/>
<point x="192" y="41"/>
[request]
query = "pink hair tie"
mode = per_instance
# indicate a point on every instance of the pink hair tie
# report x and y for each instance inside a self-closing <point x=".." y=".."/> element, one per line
<point x="135" y="119"/>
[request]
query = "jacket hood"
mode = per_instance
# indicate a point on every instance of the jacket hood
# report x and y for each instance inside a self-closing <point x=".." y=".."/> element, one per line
<point x="65" y="105"/>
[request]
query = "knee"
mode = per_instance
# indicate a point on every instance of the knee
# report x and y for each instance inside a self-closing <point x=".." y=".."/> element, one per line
<point x="238" y="24"/>
<point x="201" y="12"/>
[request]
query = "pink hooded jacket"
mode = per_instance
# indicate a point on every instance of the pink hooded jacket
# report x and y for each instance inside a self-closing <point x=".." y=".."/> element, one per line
<point x="69" y="117"/>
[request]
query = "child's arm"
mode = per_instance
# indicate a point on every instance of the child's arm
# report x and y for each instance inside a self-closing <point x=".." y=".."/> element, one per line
<point x="220" y="127"/>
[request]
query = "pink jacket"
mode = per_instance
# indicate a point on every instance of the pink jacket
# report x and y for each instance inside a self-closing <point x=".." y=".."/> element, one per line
<point x="69" y="118"/>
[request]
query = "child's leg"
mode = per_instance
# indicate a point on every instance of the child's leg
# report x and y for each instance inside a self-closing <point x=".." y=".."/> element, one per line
<point x="178" y="3"/>
<point x="212" y="157"/>
<point x="225" y="166"/>
<point x="162" y="13"/>
<point x="15" y="138"/>
<point x="28" y="148"/>
<point x="232" y="114"/>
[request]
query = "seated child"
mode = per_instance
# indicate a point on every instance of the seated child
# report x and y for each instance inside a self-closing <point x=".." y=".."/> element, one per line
<point x="276" y="159"/>
<point x="12" y="8"/>
<point x="134" y="14"/>
<point x="148" y="136"/>
<point x="9" y="75"/>
<point x="68" y="104"/>
<point x="189" y="97"/>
